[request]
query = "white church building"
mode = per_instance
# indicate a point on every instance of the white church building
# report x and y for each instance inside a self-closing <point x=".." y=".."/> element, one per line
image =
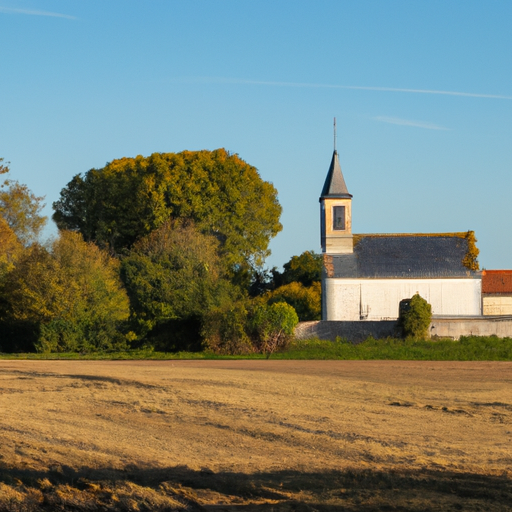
<point x="366" y="276"/>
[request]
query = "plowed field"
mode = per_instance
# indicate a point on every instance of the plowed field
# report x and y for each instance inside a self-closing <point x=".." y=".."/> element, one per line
<point x="255" y="435"/>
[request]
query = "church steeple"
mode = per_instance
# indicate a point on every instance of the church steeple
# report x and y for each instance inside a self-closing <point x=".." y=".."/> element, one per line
<point x="334" y="185"/>
<point x="336" y="210"/>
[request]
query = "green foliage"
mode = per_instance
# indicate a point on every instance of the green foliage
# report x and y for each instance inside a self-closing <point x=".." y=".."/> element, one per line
<point x="299" y="285"/>
<point x="225" y="330"/>
<point x="468" y="348"/>
<point x="305" y="269"/>
<point x="174" y="277"/>
<point x="130" y="197"/>
<point x="273" y="325"/>
<point x="250" y="327"/>
<point x="71" y="295"/>
<point x="306" y="301"/>
<point x="142" y="353"/>
<point x="21" y="209"/>
<point x="416" y="320"/>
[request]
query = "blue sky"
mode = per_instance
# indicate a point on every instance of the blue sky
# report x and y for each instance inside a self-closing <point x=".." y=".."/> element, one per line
<point x="422" y="93"/>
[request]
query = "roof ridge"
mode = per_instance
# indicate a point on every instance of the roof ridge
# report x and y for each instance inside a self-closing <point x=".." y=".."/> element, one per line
<point x="455" y="234"/>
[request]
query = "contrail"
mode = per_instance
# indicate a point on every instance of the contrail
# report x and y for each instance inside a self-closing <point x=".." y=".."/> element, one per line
<point x="31" y="12"/>
<point x="407" y="122"/>
<point x="351" y="87"/>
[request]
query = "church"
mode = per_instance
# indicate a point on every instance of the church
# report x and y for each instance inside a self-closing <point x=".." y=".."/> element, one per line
<point x="366" y="276"/>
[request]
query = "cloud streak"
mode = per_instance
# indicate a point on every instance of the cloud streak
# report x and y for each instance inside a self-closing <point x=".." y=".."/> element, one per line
<point x="349" y="87"/>
<point x="407" y="122"/>
<point x="32" y="12"/>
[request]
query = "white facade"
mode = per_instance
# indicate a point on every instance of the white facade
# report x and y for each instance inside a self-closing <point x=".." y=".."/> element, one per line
<point x="379" y="299"/>
<point x="497" y="305"/>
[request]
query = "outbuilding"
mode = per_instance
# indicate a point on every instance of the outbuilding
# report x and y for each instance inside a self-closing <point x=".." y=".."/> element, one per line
<point x="497" y="292"/>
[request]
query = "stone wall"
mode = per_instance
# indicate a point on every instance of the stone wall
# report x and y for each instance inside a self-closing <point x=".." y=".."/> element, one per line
<point x="443" y="327"/>
<point x="353" y="331"/>
<point x="452" y="327"/>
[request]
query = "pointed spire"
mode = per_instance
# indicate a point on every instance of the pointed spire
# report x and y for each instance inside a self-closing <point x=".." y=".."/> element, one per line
<point x="334" y="185"/>
<point x="334" y="134"/>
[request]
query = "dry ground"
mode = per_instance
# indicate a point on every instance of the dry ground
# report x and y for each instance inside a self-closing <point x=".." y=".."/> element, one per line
<point x="255" y="435"/>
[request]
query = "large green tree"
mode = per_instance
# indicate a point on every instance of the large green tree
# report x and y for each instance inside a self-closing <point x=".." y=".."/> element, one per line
<point x="174" y="278"/>
<point x="128" y="198"/>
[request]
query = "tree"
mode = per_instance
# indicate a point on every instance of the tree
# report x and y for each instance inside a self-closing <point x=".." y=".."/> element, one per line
<point x="10" y="248"/>
<point x="69" y="297"/>
<point x="20" y="208"/>
<point x="416" y="317"/>
<point x="299" y="285"/>
<point x="130" y="197"/>
<point x="306" y="301"/>
<point x="305" y="269"/>
<point x="174" y="277"/>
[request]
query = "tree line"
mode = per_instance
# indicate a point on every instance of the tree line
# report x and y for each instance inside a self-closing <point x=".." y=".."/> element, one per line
<point x="165" y="251"/>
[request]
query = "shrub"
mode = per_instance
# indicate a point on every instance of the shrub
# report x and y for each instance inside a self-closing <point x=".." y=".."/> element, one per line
<point x="273" y="326"/>
<point x="416" y="319"/>
<point x="243" y="327"/>
<point x="80" y="336"/>
<point x="225" y="330"/>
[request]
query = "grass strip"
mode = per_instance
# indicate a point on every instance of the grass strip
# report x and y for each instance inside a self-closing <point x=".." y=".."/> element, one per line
<point x="468" y="348"/>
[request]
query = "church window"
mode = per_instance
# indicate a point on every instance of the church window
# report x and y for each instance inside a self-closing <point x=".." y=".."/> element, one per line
<point x="338" y="218"/>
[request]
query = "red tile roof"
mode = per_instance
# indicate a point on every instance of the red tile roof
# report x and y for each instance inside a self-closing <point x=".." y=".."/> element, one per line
<point x="497" y="281"/>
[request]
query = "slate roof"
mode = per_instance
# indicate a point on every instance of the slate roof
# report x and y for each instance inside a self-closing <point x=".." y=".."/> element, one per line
<point x="402" y="256"/>
<point x="497" y="281"/>
<point x="334" y="185"/>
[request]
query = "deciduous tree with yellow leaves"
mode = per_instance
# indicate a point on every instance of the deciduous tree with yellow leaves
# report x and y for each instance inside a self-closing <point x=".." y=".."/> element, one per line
<point x="20" y="208"/>
<point x="65" y="298"/>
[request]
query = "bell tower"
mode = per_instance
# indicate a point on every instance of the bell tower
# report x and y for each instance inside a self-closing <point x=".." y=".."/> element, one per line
<point x="336" y="210"/>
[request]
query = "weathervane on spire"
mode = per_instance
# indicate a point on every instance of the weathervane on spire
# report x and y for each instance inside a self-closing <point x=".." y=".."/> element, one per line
<point x="334" y="134"/>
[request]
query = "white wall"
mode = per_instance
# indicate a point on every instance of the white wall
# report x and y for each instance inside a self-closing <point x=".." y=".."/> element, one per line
<point x="378" y="299"/>
<point x="497" y="305"/>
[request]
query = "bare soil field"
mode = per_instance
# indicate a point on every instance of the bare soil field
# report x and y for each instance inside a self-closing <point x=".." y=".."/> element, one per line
<point x="255" y="435"/>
